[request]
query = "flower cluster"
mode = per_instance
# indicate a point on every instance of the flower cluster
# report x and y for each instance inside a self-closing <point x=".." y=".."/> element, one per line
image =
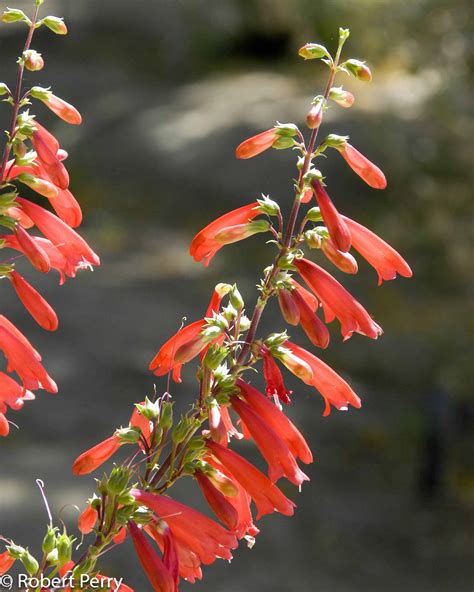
<point x="32" y="157"/>
<point x="173" y="540"/>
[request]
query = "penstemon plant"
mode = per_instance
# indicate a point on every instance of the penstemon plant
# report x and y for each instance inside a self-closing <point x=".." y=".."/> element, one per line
<point x="33" y="158"/>
<point x="171" y="539"/>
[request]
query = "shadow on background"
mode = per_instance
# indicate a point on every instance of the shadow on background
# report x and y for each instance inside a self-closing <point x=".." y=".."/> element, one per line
<point x="167" y="90"/>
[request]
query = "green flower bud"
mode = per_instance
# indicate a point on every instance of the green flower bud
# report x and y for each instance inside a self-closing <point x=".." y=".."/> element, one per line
<point x="16" y="551"/>
<point x="236" y="298"/>
<point x="64" y="546"/>
<point x="29" y="562"/>
<point x="49" y="541"/>
<point x="118" y="480"/>
<point x="313" y="51"/>
<point x="314" y="215"/>
<point x="56" y="25"/>
<point x="4" y="89"/>
<point x="12" y="15"/>
<point x="181" y="430"/>
<point x="357" y="69"/>
<point x="166" y="415"/>
<point x="215" y="355"/>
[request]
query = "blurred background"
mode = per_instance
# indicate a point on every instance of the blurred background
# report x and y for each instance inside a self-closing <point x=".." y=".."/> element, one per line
<point x="167" y="89"/>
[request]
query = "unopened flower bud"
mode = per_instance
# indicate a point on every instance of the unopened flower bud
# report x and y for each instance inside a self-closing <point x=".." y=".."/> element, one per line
<point x="181" y="430"/>
<point x="342" y="97"/>
<point x="315" y="116"/>
<point x="33" y="60"/>
<point x="4" y="89"/>
<point x="118" y="480"/>
<point x="244" y="323"/>
<point x="64" y="547"/>
<point x="166" y="415"/>
<point x="286" y="261"/>
<point x="314" y="215"/>
<point x="313" y="51"/>
<point x="236" y="298"/>
<point x="12" y="15"/>
<point x="16" y="551"/>
<point x="56" y="25"/>
<point x="49" y="541"/>
<point x="29" y="562"/>
<point x="358" y="69"/>
<point x="215" y="355"/>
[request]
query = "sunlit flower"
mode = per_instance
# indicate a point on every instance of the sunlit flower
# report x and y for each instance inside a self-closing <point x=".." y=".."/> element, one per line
<point x="334" y="389"/>
<point x="23" y="358"/>
<point x="266" y="495"/>
<point x="205" y="244"/>
<point x="337" y="228"/>
<point x="386" y="261"/>
<point x="281" y="461"/>
<point x="34" y="303"/>
<point x="347" y="309"/>
<point x="256" y="144"/>
<point x="154" y="568"/>
<point x="96" y="456"/>
<point x="362" y="166"/>
<point x="87" y="520"/>
<point x="273" y="378"/>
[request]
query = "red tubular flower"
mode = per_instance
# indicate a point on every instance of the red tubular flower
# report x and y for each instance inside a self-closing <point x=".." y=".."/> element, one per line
<point x="87" y="520"/>
<point x="170" y="552"/>
<point x="13" y="396"/>
<point x="23" y="358"/>
<point x="50" y="140"/>
<point x="106" y="580"/>
<point x="352" y="314"/>
<point x="187" y="342"/>
<point x="208" y="539"/>
<point x="281" y="461"/>
<point x="338" y="231"/>
<point x="313" y="326"/>
<point x="19" y="215"/>
<point x="154" y="568"/>
<point x="165" y="359"/>
<point x="256" y="144"/>
<point x="56" y="258"/>
<point x="188" y="561"/>
<point x="36" y="255"/>
<point x="6" y="562"/>
<point x="120" y="537"/>
<point x="204" y="245"/>
<point x="96" y="456"/>
<point x="74" y="248"/>
<point x="222" y="508"/>
<point x="386" y="261"/>
<point x="332" y="387"/>
<point x="343" y="261"/>
<point x="62" y="109"/>
<point x="267" y="497"/>
<point x="4" y="426"/>
<point x="55" y="169"/>
<point x="308" y="297"/>
<point x="34" y="303"/>
<point x="277" y="420"/>
<point x="237" y="496"/>
<point x="362" y="166"/>
<point x="274" y="378"/>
